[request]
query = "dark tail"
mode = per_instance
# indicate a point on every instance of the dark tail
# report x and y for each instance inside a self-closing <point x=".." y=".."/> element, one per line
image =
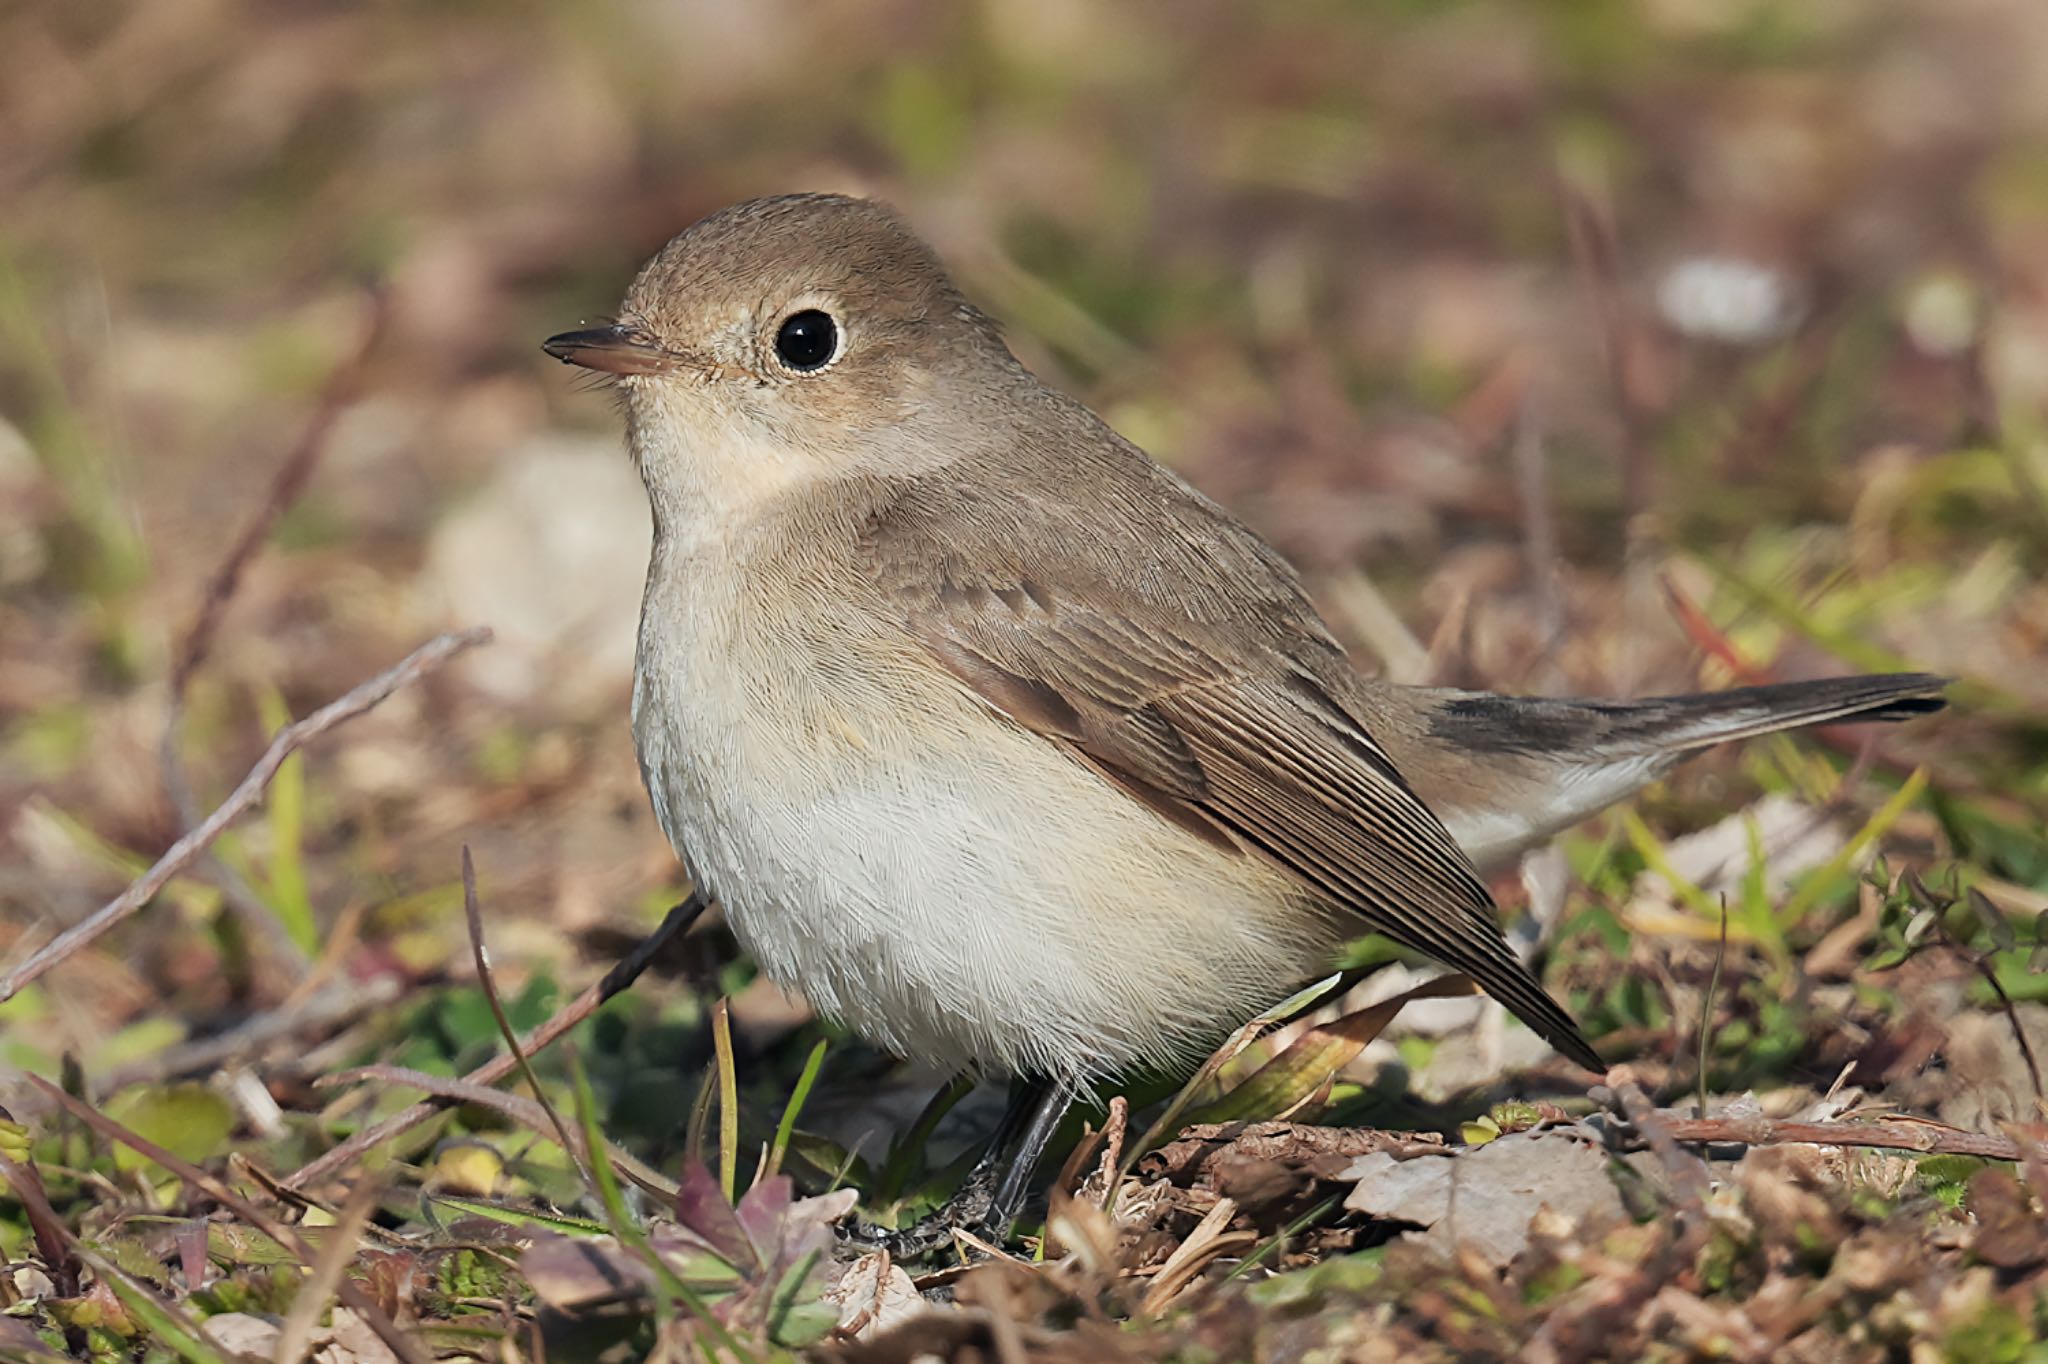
<point x="1683" y="723"/>
<point x="1552" y="763"/>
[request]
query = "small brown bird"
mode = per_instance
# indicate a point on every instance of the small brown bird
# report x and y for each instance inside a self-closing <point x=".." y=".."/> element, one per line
<point x="1000" y="742"/>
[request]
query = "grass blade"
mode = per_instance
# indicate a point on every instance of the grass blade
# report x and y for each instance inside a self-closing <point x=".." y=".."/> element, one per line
<point x="910" y="1146"/>
<point x="728" y="1101"/>
<point x="669" y="1289"/>
<point x="287" y="896"/>
<point x="1821" y="879"/>
<point x="786" y="1128"/>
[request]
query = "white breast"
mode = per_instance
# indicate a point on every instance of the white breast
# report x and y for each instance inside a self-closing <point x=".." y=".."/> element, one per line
<point x="955" y="888"/>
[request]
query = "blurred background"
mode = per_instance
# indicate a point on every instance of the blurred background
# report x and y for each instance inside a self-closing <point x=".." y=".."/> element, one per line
<point x="1578" y="346"/>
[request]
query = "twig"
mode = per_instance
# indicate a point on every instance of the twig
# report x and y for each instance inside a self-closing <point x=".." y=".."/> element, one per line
<point x="473" y="913"/>
<point x="568" y="1016"/>
<point x="1069" y="1188"/>
<point x="1116" y="1127"/>
<point x="1936" y="904"/>
<point x="342" y="388"/>
<point x="333" y="1005"/>
<point x="337" y="1249"/>
<point x="1708" y="637"/>
<point x="1210" y="1239"/>
<point x="2019" y="1033"/>
<point x="1707" y="1007"/>
<point x="1539" y="525"/>
<point x="1599" y="260"/>
<point x="1887" y="1136"/>
<point x="60" y="1260"/>
<point x="1994" y="917"/>
<point x="1366" y="610"/>
<point x="1658" y="1130"/>
<point x="290" y="739"/>
<point x="523" y="1111"/>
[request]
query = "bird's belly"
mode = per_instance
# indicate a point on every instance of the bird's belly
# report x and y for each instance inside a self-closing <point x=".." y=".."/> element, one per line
<point x="955" y="888"/>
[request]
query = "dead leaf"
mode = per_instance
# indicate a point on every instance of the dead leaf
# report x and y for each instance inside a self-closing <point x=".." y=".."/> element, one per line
<point x="350" y="1340"/>
<point x="873" y="1295"/>
<point x="1485" y="1197"/>
<point x="572" y="1273"/>
<point x="243" y="1334"/>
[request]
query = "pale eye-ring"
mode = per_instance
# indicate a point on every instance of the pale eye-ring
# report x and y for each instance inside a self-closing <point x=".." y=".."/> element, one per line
<point x="807" y="340"/>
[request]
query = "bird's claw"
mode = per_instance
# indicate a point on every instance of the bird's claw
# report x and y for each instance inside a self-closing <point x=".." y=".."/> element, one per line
<point x="971" y="1209"/>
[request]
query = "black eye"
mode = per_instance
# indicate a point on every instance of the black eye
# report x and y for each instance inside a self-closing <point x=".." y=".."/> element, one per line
<point x="807" y="340"/>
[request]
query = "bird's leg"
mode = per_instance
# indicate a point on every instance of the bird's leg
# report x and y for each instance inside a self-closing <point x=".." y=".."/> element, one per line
<point x="1044" y="1102"/>
<point x="989" y="1199"/>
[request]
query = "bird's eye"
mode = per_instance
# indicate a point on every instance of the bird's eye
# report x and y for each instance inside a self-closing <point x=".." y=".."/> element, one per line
<point x="807" y="340"/>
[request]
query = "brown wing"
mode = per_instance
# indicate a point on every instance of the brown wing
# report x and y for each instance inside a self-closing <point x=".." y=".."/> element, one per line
<point x="1215" y="728"/>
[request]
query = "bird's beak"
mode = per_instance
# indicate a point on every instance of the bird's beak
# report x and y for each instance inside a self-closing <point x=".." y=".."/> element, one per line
<point x="613" y="350"/>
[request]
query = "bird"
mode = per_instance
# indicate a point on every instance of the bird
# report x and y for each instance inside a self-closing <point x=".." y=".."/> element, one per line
<point x="1001" y="743"/>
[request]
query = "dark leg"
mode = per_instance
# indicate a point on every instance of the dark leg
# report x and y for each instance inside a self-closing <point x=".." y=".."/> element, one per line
<point x="994" y="1191"/>
<point x="1044" y="1103"/>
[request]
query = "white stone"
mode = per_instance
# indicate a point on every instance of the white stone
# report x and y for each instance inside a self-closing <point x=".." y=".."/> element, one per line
<point x="551" y="554"/>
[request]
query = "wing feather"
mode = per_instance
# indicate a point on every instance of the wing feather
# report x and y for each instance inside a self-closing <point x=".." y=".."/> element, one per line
<point x="1217" y="728"/>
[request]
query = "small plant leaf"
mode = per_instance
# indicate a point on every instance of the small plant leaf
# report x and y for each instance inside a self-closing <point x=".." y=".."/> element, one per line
<point x="190" y="1121"/>
<point x="703" y="1212"/>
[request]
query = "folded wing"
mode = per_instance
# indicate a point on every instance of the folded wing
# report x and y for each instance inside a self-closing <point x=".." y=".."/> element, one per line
<point x="1223" y="730"/>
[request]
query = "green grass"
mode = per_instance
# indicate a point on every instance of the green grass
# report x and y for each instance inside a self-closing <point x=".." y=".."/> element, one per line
<point x="1322" y="260"/>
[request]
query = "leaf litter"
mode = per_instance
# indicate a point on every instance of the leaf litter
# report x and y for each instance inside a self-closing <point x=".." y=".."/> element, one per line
<point x="1826" y="1141"/>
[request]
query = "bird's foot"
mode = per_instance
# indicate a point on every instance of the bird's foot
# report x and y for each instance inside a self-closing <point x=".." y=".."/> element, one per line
<point x="971" y="1209"/>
